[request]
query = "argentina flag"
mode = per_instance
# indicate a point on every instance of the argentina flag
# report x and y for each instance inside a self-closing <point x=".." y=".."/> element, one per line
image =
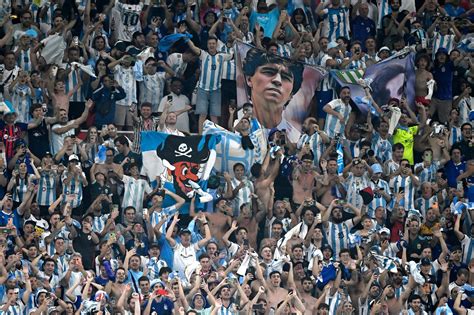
<point x="181" y="164"/>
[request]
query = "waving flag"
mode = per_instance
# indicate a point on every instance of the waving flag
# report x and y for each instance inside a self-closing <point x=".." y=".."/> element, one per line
<point x="349" y="76"/>
<point x="229" y="150"/>
<point x="181" y="164"/>
<point x="392" y="77"/>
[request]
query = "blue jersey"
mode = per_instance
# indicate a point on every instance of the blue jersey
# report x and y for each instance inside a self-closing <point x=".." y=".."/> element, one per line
<point x="268" y="21"/>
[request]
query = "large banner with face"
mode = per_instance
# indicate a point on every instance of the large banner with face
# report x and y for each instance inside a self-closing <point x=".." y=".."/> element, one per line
<point x="390" y="78"/>
<point x="181" y="164"/>
<point x="280" y="89"/>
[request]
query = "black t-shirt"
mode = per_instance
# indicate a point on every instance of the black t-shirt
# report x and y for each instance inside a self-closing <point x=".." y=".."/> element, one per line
<point x="84" y="245"/>
<point x="38" y="140"/>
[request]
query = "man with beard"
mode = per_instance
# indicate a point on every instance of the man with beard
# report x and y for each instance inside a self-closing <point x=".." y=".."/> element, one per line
<point x="336" y="228"/>
<point x="311" y="303"/>
<point x="338" y="111"/>
<point x="395" y="23"/>
<point x="369" y="294"/>
<point x="324" y="191"/>
<point x="64" y="127"/>
<point x="285" y="49"/>
<point x="180" y="104"/>
<point x="312" y="138"/>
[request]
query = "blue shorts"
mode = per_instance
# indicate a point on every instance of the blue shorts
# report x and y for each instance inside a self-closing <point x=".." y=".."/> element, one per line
<point x="208" y="102"/>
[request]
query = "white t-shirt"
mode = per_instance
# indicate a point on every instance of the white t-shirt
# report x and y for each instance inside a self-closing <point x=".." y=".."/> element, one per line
<point x="184" y="256"/>
<point x="179" y="102"/>
<point x="57" y="140"/>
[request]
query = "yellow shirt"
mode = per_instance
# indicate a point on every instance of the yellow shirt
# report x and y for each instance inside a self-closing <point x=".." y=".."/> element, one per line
<point x="406" y="138"/>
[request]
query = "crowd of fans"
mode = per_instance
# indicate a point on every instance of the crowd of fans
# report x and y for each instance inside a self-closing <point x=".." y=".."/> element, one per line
<point x="366" y="213"/>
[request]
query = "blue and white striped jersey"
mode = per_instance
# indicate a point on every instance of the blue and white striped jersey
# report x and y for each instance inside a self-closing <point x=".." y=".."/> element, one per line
<point x="378" y="200"/>
<point x="211" y="70"/>
<point x="408" y="201"/>
<point x="152" y="88"/>
<point x="332" y="125"/>
<point x="228" y="70"/>
<point x="72" y="80"/>
<point x="338" y="235"/>
<point x="382" y="147"/>
<point x="336" y="23"/>
<point x="428" y="174"/>
<point x="442" y="41"/>
<point x="46" y="194"/>
<point x="126" y="79"/>
<point x="423" y="204"/>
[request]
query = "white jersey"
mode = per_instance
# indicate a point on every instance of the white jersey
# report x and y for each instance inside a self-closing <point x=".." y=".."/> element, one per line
<point x="126" y="79"/>
<point x="129" y="22"/>
<point x="175" y="61"/>
<point x="151" y="89"/>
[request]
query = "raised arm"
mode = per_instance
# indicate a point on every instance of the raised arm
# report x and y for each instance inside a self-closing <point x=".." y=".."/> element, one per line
<point x="169" y="232"/>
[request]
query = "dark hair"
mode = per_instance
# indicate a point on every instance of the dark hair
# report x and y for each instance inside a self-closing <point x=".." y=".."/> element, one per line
<point x="146" y="104"/>
<point x="423" y="56"/>
<point x="256" y="169"/>
<point x="33" y="107"/>
<point x="238" y="164"/>
<point x="256" y="58"/>
<point x="174" y="79"/>
<point x="397" y="146"/>
<point x="300" y="12"/>
<point x="143" y="278"/>
<point x="205" y="255"/>
<point x="122" y="140"/>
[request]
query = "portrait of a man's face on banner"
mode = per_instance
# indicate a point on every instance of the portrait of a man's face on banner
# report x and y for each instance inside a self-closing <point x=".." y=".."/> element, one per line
<point x="282" y="90"/>
<point x="279" y="89"/>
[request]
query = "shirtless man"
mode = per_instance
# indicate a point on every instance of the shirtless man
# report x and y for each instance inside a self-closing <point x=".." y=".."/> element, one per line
<point x="304" y="180"/>
<point x="323" y="189"/>
<point x="250" y="219"/>
<point x="423" y="76"/>
<point x="108" y="166"/>
<point x="275" y="293"/>
<point x="219" y="221"/>
<point x="310" y="303"/>
<point x="116" y="288"/>
<point x="265" y="175"/>
<point x="57" y="91"/>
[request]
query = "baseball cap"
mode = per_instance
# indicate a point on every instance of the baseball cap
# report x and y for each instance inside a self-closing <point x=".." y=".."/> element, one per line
<point x="183" y="231"/>
<point x="384" y="230"/>
<point x="442" y="50"/>
<point x="376" y="168"/>
<point x="425" y="261"/>
<point x="384" y="48"/>
<point x="73" y="157"/>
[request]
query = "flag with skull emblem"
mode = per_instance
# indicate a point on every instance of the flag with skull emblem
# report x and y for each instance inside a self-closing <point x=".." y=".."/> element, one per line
<point x="180" y="164"/>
